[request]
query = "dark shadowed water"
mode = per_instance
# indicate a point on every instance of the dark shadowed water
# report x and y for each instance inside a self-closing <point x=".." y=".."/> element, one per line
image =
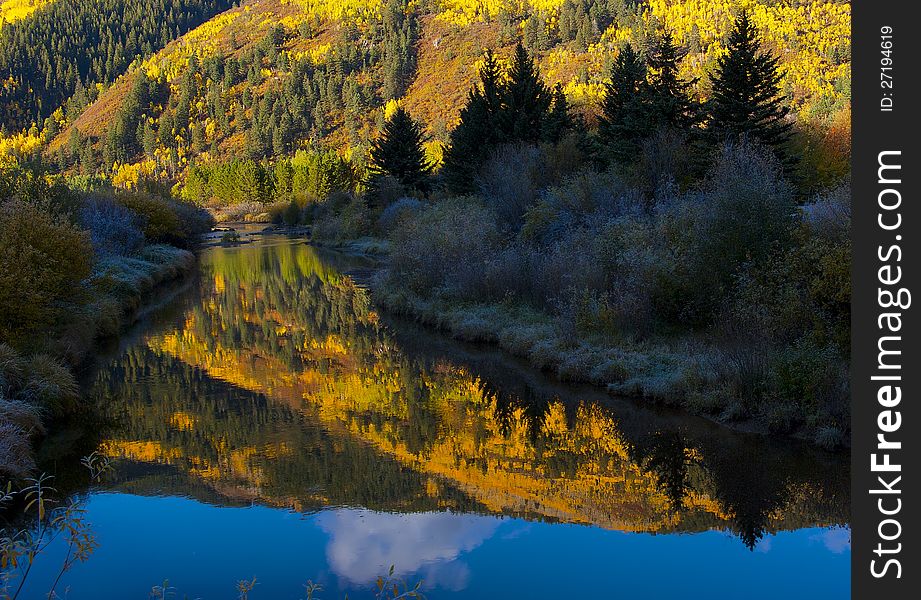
<point x="267" y="421"/>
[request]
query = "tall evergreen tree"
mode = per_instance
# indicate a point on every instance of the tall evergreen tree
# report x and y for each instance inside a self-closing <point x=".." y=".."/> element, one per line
<point x="476" y="132"/>
<point x="399" y="152"/>
<point x="497" y="112"/>
<point x="625" y="111"/>
<point x="558" y="121"/>
<point x="671" y="103"/>
<point x="526" y="101"/>
<point x="746" y="97"/>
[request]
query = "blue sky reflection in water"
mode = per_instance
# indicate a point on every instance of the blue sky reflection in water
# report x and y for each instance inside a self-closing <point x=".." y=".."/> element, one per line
<point x="203" y="550"/>
<point x="269" y="422"/>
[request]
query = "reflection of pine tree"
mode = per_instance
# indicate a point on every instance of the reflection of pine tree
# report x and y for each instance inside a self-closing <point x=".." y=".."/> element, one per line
<point x="667" y="458"/>
<point x="746" y="96"/>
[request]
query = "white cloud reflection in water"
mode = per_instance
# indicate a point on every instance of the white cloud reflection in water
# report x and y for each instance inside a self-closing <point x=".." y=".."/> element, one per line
<point x="364" y="544"/>
<point x="835" y="539"/>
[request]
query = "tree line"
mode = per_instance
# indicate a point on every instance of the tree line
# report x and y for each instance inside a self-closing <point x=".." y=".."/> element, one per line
<point x="644" y="97"/>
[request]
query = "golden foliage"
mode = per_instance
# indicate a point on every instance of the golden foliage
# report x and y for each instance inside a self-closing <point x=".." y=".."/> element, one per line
<point x="43" y="259"/>
<point x="16" y="10"/>
<point x="200" y="42"/>
<point x="17" y="147"/>
<point x="811" y="40"/>
<point x="353" y="11"/>
<point x="128" y="175"/>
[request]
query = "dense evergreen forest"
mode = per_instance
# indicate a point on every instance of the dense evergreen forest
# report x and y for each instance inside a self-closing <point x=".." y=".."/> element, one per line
<point x="58" y="55"/>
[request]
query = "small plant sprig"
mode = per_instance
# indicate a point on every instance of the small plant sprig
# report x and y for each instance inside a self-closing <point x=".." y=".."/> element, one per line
<point x="97" y="464"/>
<point x="389" y="588"/>
<point x="7" y="495"/>
<point x="162" y="591"/>
<point x="312" y="588"/>
<point x="244" y="587"/>
<point x="19" y="550"/>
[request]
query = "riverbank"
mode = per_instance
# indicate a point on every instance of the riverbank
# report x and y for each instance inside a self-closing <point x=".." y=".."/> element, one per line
<point x="680" y="372"/>
<point x="614" y="303"/>
<point x="77" y="262"/>
<point x="41" y="388"/>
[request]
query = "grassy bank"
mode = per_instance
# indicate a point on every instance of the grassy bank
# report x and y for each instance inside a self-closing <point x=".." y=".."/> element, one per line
<point x="76" y="264"/>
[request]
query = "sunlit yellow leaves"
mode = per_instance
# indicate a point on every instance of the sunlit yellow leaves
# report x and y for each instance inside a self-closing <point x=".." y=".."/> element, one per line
<point x="466" y="12"/>
<point x="143" y="450"/>
<point x="183" y="421"/>
<point x="200" y="42"/>
<point x="16" y="10"/>
<point x="811" y="39"/>
<point x="127" y="176"/>
<point x="434" y="152"/>
<point x="355" y="11"/>
<point x="18" y="146"/>
<point x="391" y="107"/>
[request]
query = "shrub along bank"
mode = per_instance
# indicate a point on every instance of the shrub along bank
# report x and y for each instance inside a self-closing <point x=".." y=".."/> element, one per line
<point x="729" y="300"/>
<point x="74" y="266"/>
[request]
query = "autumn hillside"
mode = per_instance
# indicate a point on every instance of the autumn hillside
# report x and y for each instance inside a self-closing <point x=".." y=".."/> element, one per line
<point x="305" y="72"/>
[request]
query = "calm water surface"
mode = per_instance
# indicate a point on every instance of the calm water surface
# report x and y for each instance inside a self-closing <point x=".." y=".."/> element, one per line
<point x="267" y="421"/>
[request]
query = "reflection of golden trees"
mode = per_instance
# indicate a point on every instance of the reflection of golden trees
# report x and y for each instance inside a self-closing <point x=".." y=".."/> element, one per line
<point x="281" y="366"/>
<point x="181" y="431"/>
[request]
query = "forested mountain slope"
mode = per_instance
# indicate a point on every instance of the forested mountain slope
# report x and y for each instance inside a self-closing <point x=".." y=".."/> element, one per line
<point x="57" y="52"/>
<point x="271" y="76"/>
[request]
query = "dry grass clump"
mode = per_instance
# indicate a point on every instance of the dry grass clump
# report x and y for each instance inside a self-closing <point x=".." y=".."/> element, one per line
<point x="12" y="369"/>
<point x="26" y="416"/>
<point x="16" y="458"/>
<point x="19" y="423"/>
<point x="40" y="381"/>
<point x="30" y="388"/>
<point x="50" y="385"/>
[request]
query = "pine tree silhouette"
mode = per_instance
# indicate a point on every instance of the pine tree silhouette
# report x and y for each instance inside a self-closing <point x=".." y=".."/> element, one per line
<point x="625" y="109"/>
<point x="558" y="121"/>
<point x="399" y="152"/>
<point x="526" y="101"/>
<point x="670" y="96"/>
<point x="476" y="133"/>
<point x="746" y="99"/>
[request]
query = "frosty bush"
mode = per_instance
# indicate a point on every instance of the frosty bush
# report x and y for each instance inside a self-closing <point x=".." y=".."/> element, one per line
<point x="113" y="228"/>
